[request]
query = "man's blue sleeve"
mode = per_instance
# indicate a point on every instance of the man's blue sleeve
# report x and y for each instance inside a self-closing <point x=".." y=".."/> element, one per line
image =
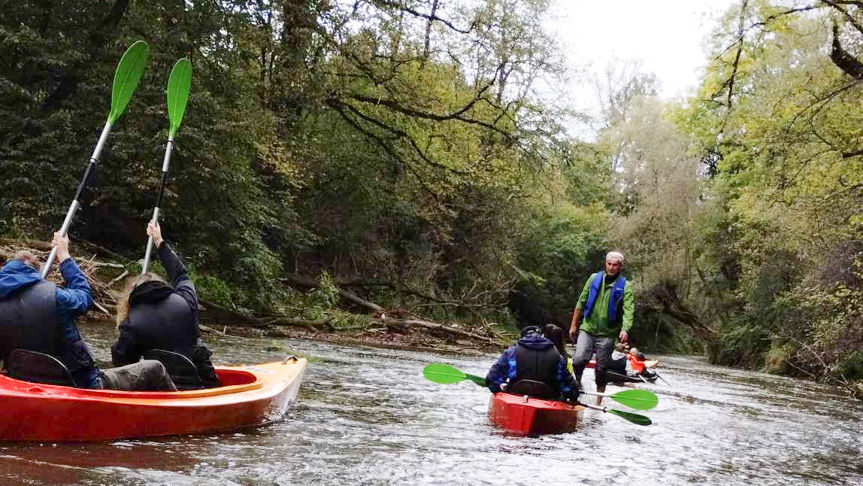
<point x="501" y="370"/>
<point x="76" y="297"/>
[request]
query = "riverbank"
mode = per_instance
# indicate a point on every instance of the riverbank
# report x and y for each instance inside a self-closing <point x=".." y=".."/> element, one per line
<point x="107" y="272"/>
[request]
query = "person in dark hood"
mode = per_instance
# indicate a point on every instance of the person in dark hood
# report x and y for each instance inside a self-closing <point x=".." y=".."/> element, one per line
<point x="155" y="315"/>
<point x="555" y="335"/>
<point x="534" y="358"/>
<point x="36" y="315"/>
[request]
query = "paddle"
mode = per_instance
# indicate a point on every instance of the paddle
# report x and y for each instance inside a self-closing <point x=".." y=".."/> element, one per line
<point x="446" y="374"/>
<point x="637" y="399"/>
<point x="632" y="417"/>
<point x="178" y="95"/>
<point x="126" y="78"/>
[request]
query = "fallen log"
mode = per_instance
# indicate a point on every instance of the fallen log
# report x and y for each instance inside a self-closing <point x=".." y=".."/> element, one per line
<point x="289" y="321"/>
<point x="211" y="310"/>
<point x="396" y="323"/>
<point x="33" y="244"/>
<point x="310" y="282"/>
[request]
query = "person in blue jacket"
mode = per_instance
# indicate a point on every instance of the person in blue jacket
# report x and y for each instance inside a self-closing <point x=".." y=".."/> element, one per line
<point x="532" y="358"/>
<point x="37" y="315"/>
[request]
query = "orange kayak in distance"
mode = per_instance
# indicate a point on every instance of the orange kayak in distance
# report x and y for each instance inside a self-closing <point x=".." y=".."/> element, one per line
<point x="249" y="396"/>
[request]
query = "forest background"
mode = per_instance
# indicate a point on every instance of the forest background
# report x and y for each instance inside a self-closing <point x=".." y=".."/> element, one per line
<point x="404" y="149"/>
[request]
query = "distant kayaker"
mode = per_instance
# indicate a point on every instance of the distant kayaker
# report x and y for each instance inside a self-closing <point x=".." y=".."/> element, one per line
<point x="607" y="304"/>
<point x="36" y="315"/>
<point x="555" y="334"/>
<point x="533" y="359"/>
<point x="154" y="315"/>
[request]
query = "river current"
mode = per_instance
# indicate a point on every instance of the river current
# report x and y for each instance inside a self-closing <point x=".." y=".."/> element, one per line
<point x="366" y="416"/>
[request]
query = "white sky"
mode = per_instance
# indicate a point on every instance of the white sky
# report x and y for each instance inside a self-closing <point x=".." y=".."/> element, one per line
<point x="666" y="35"/>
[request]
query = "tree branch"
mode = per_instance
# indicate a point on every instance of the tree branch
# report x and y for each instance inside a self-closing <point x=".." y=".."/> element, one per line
<point x="430" y="18"/>
<point x="844" y="61"/>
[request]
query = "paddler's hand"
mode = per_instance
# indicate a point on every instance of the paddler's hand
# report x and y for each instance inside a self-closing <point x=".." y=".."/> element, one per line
<point x="623" y="336"/>
<point x="573" y="331"/>
<point x="61" y="242"/>
<point x="154" y="230"/>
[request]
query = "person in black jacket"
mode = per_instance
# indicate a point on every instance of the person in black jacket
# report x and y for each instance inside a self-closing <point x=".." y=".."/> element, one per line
<point x="155" y="315"/>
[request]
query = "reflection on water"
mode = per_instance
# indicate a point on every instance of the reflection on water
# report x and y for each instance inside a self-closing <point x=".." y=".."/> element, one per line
<point x="366" y="416"/>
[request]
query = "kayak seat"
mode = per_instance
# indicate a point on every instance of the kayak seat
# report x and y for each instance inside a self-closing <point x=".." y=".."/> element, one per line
<point x="23" y="364"/>
<point x="181" y="369"/>
<point x="533" y="389"/>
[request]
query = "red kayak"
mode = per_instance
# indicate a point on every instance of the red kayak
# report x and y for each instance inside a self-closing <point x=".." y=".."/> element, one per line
<point x="249" y="396"/>
<point x="521" y="415"/>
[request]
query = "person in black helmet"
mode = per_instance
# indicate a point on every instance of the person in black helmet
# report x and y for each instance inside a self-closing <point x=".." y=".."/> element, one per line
<point x="532" y="361"/>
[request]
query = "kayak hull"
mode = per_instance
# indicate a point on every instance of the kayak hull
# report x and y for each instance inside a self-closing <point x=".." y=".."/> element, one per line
<point x="521" y="415"/>
<point x="250" y="396"/>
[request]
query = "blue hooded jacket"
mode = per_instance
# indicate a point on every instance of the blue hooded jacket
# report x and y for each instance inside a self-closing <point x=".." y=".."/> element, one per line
<point x="72" y="301"/>
<point x="506" y="367"/>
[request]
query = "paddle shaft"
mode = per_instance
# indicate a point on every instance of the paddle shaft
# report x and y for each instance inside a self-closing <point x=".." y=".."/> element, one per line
<point x="628" y="416"/>
<point x="165" y="163"/>
<point x="594" y="407"/>
<point x="76" y="201"/>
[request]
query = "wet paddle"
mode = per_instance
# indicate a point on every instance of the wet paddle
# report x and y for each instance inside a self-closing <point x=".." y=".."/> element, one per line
<point x="632" y="417"/>
<point x="126" y="78"/>
<point x="637" y="399"/>
<point x="446" y="374"/>
<point x="179" y="84"/>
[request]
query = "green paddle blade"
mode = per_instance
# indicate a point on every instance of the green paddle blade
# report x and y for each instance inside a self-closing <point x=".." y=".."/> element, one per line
<point x="178" y="93"/>
<point x="637" y="399"/>
<point x="444" y="374"/>
<point x="632" y="417"/>
<point x="126" y="78"/>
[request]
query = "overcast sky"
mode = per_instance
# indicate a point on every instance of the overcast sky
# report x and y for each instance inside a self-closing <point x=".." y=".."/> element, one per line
<point x="666" y="35"/>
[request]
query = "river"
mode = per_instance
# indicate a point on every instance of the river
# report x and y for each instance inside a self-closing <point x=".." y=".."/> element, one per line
<point x="366" y="416"/>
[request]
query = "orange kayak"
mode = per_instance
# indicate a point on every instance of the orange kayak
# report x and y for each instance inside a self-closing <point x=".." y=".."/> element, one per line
<point x="521" y="415"/>
<point x="250" y="395"/>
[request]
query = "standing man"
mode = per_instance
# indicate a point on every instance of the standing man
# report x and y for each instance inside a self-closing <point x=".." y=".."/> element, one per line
<point x="608" y="307"/>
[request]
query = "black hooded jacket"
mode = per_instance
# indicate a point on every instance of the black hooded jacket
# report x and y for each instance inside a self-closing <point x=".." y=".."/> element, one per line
<point x="165" y="317"/>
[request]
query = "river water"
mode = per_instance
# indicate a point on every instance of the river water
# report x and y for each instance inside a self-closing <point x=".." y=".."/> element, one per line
<point x="366" y="416"/>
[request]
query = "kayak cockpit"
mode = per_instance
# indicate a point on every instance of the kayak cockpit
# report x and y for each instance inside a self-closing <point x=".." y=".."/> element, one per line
<point x="231" y="377"/>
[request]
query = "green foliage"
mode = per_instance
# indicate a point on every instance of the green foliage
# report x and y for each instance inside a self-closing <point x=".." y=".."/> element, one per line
<point x="372" y="144"/>
<point x="778" y="236"/>
<point x="324" y="296"/>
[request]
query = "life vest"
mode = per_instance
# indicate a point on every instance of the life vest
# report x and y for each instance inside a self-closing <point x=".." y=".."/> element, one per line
<point x="29" y="320"/>
<point x="615" y="303"/>
<point x="635" y="364"/>
<point x="170" y="324"/>
<point x="537" y="365"/>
